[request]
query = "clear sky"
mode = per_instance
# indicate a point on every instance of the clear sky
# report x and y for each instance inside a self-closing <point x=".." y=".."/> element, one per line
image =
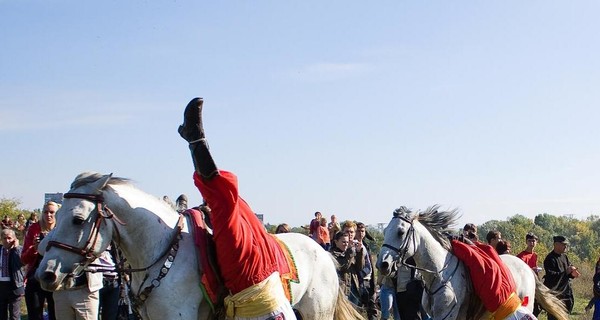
<point x="348" y="108"/>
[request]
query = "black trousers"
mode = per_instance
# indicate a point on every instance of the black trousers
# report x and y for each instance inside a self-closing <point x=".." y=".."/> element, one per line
<point x="10" y="304"/>
<point x="409" y="301"/>
<point x="35" y="297"/>
<point x="109" y="300"/>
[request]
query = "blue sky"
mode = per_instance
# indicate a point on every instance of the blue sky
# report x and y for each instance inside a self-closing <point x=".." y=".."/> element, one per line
<point x="348" y="108"/>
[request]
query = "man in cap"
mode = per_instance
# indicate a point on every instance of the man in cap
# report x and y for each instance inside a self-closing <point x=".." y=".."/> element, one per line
<point x="181" y="204"/>
<point x="559" y="272"/>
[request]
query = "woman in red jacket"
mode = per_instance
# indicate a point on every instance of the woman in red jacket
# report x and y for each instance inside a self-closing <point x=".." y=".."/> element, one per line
<point x="34" y="294"/>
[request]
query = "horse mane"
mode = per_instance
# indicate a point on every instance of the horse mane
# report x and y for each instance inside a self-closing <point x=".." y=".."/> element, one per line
<point x="88" y="177"/>
<point x="438" y="223"/>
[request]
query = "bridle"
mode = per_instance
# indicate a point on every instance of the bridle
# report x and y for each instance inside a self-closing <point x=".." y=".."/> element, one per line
<point x="88" y="254"/>
<point x="87" y="251"/>
<point x="402" y="253"/>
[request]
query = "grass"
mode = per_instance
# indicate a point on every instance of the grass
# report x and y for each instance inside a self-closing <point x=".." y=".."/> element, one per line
<point x="582" y="290"/>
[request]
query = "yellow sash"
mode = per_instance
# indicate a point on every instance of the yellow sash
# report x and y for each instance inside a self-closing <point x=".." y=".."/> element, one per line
<point x="507" y="308"/>
<point x="256" y="300"/>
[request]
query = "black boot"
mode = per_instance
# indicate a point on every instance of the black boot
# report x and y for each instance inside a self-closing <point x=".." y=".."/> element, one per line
<point x="193" y="132"/>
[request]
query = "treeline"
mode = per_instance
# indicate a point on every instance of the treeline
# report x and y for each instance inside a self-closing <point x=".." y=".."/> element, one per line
<point x="584" y="235"/>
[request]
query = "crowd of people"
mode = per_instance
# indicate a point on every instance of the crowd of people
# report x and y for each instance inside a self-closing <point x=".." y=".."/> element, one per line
<point x="399" y="293"/>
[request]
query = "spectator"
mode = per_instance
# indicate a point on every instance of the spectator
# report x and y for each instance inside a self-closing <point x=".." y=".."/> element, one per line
<point x="349" y="228"/>
<point x="387" y="296"/>
<point x="333" y="226"/>
<point x="168" y="201"/>
<point x="7" y="223"/>
<point x="528" y="255"/>
<point x="345" y="255"/>
<point x="367" y="274"/>
<point x="282" y="228"/>
<point x="469" y="227"/>
<point x="323" y="237"/>
<point x="12" y="278"/>
<point x="409" y="291"/>
<point x="33" y="218"/>
<point x="35" y="296"/>
<point x="19" y="226"/>
<point x="493" y="237"/>
<point x="315" y="223"/>
<point x="109" y="294"/>
<point x="530" y="258"/>
<point x="80" y="297"/>
<point x="559" y="272"/>
<point x="595" y="301"/>
<point x="181" y="203"/>
<point x="503" y="247"/>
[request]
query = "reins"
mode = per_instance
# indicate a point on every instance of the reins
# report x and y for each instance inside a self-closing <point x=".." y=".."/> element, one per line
<point x="88" y="254"/>
<point x="402" y="252"/>
<point x="87" y="251"/>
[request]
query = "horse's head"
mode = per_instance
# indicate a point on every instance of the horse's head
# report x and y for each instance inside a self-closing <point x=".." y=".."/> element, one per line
<point x="396" y="237"/>
<point x="81" y="233"/>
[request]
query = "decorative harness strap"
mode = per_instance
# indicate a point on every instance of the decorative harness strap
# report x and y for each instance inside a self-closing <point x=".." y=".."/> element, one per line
<point x="140" y="298"/>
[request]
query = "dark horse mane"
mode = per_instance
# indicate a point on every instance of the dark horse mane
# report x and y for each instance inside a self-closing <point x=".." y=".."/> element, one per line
<point x="88" y="177"/>
<point x="438" y="223"/>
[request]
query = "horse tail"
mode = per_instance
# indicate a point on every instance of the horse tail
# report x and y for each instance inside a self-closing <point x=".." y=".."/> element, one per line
<point x="344" y="310"/>
<point x="548" y="300"/>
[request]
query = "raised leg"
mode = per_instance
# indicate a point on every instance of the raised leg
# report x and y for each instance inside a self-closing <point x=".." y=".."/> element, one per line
<point x="193" y="132"/>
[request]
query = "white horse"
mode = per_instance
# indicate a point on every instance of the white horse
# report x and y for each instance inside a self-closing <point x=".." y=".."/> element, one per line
<point x="157" y="243"/>
<point x="448" y="289"/>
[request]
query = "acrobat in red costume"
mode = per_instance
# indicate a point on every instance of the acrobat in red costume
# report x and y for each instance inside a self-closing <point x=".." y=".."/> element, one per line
<point x="244" y="249"/>
<point x="492" y="281"/>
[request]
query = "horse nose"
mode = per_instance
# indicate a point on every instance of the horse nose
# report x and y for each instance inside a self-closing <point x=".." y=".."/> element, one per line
<point x="48" y="277"/>
<point x="384" y="267"/>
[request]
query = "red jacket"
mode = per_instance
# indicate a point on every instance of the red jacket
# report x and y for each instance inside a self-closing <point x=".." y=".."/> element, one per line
<point x="491" y="279"/>
<point x="29" y="255"/>
<point x="244" y="248"/>
<point x="530" y="258"/>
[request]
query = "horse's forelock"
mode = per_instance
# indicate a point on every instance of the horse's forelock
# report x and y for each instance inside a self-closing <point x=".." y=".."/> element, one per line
<point x="438" y="223"/>
<point x="88" y="177"/>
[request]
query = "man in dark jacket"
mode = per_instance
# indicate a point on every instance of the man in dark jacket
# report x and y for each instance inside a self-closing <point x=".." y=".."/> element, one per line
<point x="12" y="278"/>
<point x="559" y="272"/>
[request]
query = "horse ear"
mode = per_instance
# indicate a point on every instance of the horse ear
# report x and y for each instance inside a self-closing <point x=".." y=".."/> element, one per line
<point x="102" y="182"/>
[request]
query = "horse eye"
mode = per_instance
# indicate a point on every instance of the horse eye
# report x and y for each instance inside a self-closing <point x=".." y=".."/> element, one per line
<point x="400" y="232"/>
<point x="78" y="221"/>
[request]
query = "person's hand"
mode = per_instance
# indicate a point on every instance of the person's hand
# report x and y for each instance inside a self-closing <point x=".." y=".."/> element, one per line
<point x="572" y="270"/>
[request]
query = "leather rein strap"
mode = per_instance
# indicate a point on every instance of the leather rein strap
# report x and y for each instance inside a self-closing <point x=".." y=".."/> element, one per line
<point x="87" y="251"/>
